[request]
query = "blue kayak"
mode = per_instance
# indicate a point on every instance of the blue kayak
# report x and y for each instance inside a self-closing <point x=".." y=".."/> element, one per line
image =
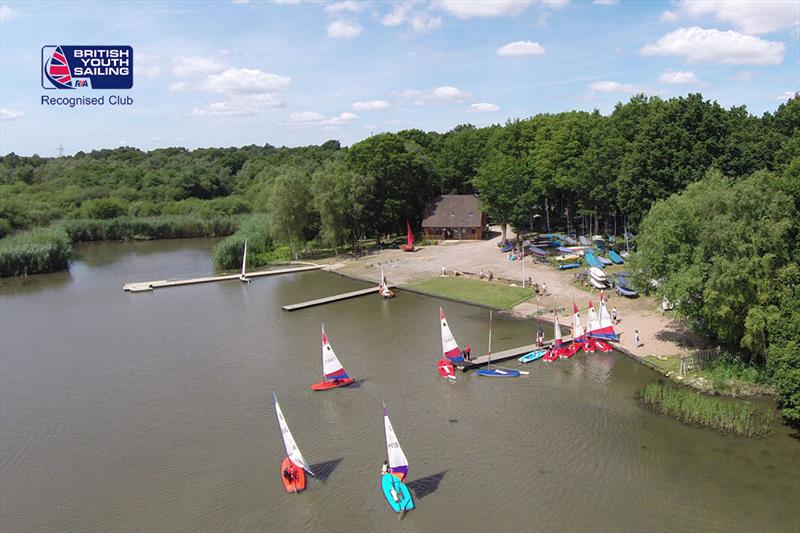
<point x="390" y="483"/>
<point x="533" y="356"/>
<point x="592" y="261"/>
<point x="568" y="266"/>
<point x="624" y="291"/>
<point x="507" y="248"/>
<point x="497" y="373"/>
<point x="615" y="257"/>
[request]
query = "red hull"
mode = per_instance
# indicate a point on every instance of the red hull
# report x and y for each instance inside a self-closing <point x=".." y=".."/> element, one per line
<point x="296" y="484"/>
<point x="333" y="384"/>
<point x="446" y="369"/>
<point x="569" y="351"/>
<point x="603" y="346"/>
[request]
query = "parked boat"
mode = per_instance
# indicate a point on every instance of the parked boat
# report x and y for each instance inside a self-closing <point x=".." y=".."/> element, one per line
<point x="558" y="343"/>
<point x="583" y="240"/>
<point x="629" y="293"/>
<point x="604" y="260"/>
<point x="294" y="465"/>
<point x="606" y="327"/>
<point x="537" y="251"/>
<point x="597" y="274"/>
<point x="243" y="276"/>
<point x="383" y="288"/>
<point x="597" y="284"/>
<point x="533" y="356"/>
<point x="495" y="372"/>
<point x="409" y="245"/>
<point x="333" y="372"/>
<point x="567" y="266"/>
<point x="615" y="257"/>
<point x="392" y="483"/>
<point x="592" y="261"/>
<point x="507" y="248"/>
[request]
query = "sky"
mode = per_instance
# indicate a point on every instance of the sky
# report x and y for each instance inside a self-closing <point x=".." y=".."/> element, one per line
<point x="293" y="73"/>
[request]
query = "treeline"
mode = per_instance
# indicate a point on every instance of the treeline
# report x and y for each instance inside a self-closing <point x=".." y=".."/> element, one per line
<point x="567" y="169"/>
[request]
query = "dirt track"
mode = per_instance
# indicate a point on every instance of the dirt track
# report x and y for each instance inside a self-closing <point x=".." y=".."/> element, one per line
<point x="660" y="334"/>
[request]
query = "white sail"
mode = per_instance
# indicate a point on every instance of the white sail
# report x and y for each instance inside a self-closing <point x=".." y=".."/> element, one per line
<point x="292" y="451"/>
<point x="244" y="258"/>
<point x="331" y="367"/>
<point x="556" y="331"/>
<point x="577" y="327"/>
<point x="449" y="346"/>
<point x="592" y="322"/>
<point x="398" y="464"/>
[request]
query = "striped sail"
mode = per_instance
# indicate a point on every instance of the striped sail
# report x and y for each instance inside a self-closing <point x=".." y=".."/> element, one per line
<point x="606" y="330"/>
<point x="593" y="323"/>
<point x="577" y="326"/>
<point x="331" y="367"/>
<point x="398" y="464"/>
<point x="449" y="345"/>
<point x="292" y="451"/>
<point x="557" y="331"/>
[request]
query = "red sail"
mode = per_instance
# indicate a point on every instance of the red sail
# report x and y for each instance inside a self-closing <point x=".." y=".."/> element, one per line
<point x="410" y="235"/>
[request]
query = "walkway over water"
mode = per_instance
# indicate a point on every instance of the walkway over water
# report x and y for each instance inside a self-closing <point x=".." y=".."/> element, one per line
<point x="143" y="286"/>
<point x="504" y="355"/>
<point x="335" y="298"/>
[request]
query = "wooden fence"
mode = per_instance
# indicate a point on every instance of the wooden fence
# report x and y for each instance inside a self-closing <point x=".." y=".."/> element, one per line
<point x="697" y="360"/>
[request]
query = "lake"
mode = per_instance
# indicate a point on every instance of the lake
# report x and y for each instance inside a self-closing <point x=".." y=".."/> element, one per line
<point x="153" y="411"/>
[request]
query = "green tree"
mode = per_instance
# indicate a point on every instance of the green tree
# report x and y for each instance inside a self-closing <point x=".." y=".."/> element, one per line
<point x="289" y="208"/>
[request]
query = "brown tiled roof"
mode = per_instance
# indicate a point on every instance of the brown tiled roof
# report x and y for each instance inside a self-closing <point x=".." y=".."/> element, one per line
<point x="453" y="211"/>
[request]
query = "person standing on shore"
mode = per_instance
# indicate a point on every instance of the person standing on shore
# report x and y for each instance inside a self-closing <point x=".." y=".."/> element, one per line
<point x="636" y="338"/>
<point x="614" y="316"/>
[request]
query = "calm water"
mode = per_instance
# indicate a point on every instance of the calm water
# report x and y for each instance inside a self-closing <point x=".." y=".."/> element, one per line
<point x="153" y="411"/>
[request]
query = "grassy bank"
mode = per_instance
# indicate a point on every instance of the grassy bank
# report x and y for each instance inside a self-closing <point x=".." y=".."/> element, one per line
<point x="261" y="249"/>
<point x="494" y="295"/>
<point x="35" y="252"/>
<point x="691" y="407"/>
<point x="726" y="375"/>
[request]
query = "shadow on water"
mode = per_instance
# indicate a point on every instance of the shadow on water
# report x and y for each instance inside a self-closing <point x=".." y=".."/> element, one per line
<point x="426" y="485"/>
<point x="324" y="470"/>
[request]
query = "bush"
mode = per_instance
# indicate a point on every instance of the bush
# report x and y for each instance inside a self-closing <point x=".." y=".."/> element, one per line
<point x="104" y="208"/>
<point x="254" y="228"/>
<point x="35" y="252"/>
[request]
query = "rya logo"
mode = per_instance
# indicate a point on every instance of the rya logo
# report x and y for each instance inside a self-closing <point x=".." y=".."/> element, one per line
<point x="90" y="67"/>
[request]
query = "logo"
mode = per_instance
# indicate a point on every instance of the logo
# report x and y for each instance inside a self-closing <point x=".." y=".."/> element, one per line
<point x="87" y="67"/>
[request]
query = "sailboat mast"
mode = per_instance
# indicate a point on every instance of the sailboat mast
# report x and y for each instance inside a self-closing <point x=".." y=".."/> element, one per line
<point x="489" y="363"/>
<point x="244" y="257"/>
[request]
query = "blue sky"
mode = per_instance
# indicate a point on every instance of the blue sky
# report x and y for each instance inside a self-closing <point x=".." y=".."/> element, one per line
<point x="295" y="73"/>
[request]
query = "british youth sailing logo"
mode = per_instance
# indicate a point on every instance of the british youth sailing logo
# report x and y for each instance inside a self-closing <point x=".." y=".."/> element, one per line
<point x="89" y="67"/>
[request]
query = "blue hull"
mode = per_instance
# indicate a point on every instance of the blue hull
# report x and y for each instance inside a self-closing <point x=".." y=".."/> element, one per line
<point x="533" y="356"/>
<point x="405" y="503"/>
<point x="495" y="373"/>
<point x="568" y="266"/>
<point x="615" y="257"/>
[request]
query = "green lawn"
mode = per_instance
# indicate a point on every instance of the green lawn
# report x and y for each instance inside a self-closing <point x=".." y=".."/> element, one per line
<point x="494" y="295"/>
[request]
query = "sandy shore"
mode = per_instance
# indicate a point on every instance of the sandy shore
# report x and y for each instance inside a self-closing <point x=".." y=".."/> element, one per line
<point x="660" y="334"/>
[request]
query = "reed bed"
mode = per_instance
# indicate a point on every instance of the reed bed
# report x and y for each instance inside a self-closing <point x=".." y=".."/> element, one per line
<point x="157" y="227"/>
<point x="691" y="407"/>
<point x="35" y="252"/>
<point x="255" y="228"/>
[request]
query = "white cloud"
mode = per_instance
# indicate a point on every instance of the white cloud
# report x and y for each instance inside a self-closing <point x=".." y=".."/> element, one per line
<point x="422" y="21"/>
<point x="442" y="94"/>
<point x="606" y="2"/>
<point x="608" y="86"/>
<point x="698" y="45"/>
<point x="465" y="9"/>
<point x="346" y="5"/>
<point x="521" y="49"/>
<point x="245" y="81"/>
<point x="344" y="29"/>
<point x="177" y="87"/>
<point x="185" y="66"/>
<point x="483" y="108"/>
<point x="785" y="96"/>
<point x="6" y="13"/>
<point x="554" y="4"/>
<point x="286" y="2"/>
<point x="312" y="118"/>
<point x="678" y="77"/>
<point x="370" y="105"/>
<point x="239" y="106"/>
<point x="742" y="75"/>
<point x="754" y="18"/>
<point x="240" y="1"/>
<point x="10" y="114"/>
<point x="396" y="16"/>
<point x="147" y="65"/>
<point x="669" y="16"/>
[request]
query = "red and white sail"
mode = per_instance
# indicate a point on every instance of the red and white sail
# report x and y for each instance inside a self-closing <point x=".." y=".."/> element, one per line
<point x="606" y="329"/>
<point x="331" y="367"/>
<point x="292" y="451"/>
<point x="449" y="346"/>
<point x="577" y="326"/>
<point x="592" y="322"/>
<point x="557" y="332"/>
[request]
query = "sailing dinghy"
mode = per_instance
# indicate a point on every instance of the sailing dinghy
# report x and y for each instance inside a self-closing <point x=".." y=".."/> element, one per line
<point x="606" y="328"/>
<point x="383" y="287"/>
<point x="395" y="490"/>
<point x="409" y="245"/>
<point x="496" y="372"/>
<point x="558" y="344"/>
<point x="450" y="350"/>
<point x="243" y="277"/>
<point x="333" y="372"/>
<point x="294" y="466"/>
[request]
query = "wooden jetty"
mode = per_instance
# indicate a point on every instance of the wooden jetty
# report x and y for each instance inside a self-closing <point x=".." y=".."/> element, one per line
<point x="143" y="286"/>
<point x="503" y="355"/>
<point x="335" y="298"/>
